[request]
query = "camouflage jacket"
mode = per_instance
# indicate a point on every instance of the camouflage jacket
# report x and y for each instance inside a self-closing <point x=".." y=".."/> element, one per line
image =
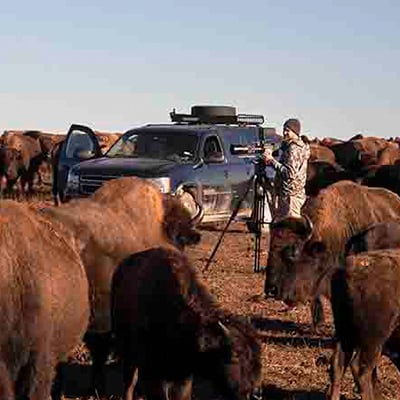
<point x="292" y="167"/>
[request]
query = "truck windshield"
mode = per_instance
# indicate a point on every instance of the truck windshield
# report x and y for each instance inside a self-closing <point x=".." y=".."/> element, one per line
<point x="159" y="144"/>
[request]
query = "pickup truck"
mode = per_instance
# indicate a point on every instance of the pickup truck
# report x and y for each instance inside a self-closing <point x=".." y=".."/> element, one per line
<point x="208" y="155"/>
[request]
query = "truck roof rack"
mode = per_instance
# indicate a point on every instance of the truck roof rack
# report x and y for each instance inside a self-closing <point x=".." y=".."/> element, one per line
<point x="225" y="115"/>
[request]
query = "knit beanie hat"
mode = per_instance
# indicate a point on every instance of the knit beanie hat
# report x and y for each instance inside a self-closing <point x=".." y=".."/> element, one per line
<point x="294" y="125"/>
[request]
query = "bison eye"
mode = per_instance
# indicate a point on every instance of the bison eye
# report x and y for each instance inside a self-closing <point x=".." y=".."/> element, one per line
<point x="316" y="248"/>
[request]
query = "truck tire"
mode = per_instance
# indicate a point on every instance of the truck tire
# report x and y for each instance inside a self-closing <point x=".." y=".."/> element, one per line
<point x="213" y="111"/>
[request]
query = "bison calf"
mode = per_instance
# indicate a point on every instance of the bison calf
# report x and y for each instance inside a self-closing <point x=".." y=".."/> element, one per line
<point x="169" y="327"/>
<point x="366" y="306"/>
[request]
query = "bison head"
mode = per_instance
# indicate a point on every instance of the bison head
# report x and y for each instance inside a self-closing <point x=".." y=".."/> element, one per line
<point x="11" y="162"/>
<point x="230" y="356"/>
<point x="294" y="261"/>
<point x="179" y="224"/>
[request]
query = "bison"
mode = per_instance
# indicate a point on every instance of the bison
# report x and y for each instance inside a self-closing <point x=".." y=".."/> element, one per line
<point x="20" y="157"/>
<point x="124" y="216"/>
<point x="358" y="153"/>
<point x="304" y="251"/>
<point x="386" y="176"/>
<point x="44" y="301"/>
<point x="167" y="324"/>
<point x="321" y="174"/>
<point x="366" y="306"/>
<point x="106" y="140"/>
<point x="321" y="153"/>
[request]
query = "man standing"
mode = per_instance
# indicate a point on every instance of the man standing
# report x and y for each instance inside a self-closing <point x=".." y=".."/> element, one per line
<point x="291" y="171"/>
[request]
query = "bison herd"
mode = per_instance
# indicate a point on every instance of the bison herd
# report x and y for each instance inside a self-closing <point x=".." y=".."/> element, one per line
<point x="111" y="270"/>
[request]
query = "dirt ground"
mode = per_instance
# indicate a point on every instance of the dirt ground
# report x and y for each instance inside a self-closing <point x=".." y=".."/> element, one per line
<point x="295" y="361"/>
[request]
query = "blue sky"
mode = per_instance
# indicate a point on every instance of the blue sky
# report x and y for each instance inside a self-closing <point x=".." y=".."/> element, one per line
<point x="117" y="64"/>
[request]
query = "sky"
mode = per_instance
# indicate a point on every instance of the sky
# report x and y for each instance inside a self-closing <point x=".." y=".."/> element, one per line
<point x="114" y="65"/>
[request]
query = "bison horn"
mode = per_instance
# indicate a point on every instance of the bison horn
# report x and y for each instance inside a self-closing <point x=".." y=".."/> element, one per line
<point x="199" y="214"/>
<point x="309" y="227"/>
<point x="224" y="329"/>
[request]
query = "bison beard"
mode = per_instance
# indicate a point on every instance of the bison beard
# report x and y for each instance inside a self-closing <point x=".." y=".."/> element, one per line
<point x="366" y="305"/>
<point x="303" y="258"/>
<point x="167" y="324"/>
<point x="44" y="302"/>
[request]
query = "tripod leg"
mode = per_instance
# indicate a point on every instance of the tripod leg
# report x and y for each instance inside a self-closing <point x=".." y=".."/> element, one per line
<point x="260" y="203"/>
<point x="233" y="215"/>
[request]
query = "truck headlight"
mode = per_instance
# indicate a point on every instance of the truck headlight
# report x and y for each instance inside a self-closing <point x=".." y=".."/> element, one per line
<point x="73" y="180"/>
<point x="164" y="184"/>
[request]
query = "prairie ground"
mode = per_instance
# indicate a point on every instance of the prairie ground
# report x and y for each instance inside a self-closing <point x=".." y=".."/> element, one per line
<point x="295" y="361"/>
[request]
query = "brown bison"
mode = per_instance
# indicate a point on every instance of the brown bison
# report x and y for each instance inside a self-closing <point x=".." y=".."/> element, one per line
<point x="20" y="158"/>
<point x="304" y="251"/>
<point x="106" y="140"/>
<point x="47" y="142"/>
<point x="358" y="153"/>
<point x="321" y="153"/>
<point x="366" y="306"/>
<point x="44" y="302"/>
<point x="386" y="176"/>
<point x="123" y="217"/>
<point x="384" y="235"/>
<point x="167" y="324"/>
<point x="58" y="194"/>
<point x="321" y="174"/>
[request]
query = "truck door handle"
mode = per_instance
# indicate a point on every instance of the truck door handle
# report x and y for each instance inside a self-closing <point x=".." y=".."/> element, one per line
<point x="226" y="173"/>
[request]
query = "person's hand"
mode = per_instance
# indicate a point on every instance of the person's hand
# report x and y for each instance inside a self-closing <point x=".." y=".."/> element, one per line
<point x="267" y="156"/>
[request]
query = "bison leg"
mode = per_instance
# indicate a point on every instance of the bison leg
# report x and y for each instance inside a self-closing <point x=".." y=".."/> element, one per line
<point x="153" y="389"/>
<point x="354" y="365"/>
<point x="339" y="363"/>
<point x="99" y="345"/>
<point x="35" y="378"/>
<point x="130" y="379"/>
<point x="6" y="387"/>
<point x="366" y="374"/>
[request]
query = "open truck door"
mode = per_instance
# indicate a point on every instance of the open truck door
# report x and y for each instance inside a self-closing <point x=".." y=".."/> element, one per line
<point x="79" y="145"/>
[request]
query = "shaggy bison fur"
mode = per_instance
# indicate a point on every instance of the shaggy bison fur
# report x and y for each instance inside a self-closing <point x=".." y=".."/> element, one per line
<point x="44" y="302"/>
<point x="304" y="251"/>
<point x="167" y="324"/>
<point x="366" y="308"/>
<point x="123" y="217"/>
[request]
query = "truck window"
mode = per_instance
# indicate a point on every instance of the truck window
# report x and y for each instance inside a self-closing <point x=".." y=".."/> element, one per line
<point x="212" y="147"/>
<point x="160" y="144"/>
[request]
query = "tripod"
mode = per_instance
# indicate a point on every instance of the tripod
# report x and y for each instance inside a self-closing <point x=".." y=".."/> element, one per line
<point x="260" y="185"/>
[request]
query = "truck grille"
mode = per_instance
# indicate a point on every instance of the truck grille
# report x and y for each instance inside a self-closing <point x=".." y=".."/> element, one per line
<point x="88" y="184"/>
